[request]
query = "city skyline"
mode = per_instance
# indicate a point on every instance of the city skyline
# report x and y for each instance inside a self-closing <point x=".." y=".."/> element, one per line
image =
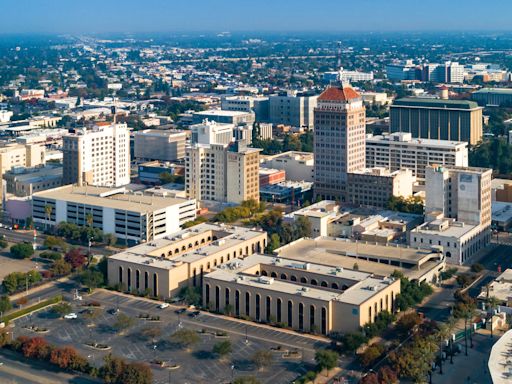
<point x="225" y="15"/>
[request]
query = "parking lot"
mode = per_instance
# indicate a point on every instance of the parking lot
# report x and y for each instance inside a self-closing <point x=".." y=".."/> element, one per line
<point x="198" y="365"/>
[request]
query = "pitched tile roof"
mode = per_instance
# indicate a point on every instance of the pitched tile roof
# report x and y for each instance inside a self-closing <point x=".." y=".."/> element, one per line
<point x="338" y="94"/>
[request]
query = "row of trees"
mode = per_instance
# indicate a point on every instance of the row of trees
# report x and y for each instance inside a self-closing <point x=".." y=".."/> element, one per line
<point x="411" y="293"/>
<point x="16" y="281"/>
<point x="494" y="153"/>
<point x="245" y="210"/>
<point x="290" y="142"/>
<point x="412" y="204"/>
<point x="83" y="235"/>
<point x="113" y="371"/>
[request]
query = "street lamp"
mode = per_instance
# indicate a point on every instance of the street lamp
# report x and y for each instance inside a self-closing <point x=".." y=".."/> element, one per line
<point x="246" y="339"/>
<point x="232" y="372"/>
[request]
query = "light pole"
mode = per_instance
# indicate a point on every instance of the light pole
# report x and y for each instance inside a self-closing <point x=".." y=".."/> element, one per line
<point x="246" y="339"/>
<point x="232" y="372"/>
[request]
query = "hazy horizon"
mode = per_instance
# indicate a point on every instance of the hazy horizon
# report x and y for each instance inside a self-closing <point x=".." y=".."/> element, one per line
<point x="277" y="16"/>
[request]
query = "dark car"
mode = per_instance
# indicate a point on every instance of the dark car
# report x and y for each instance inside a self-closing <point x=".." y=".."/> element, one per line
<point x="180" y="311"/>
<point x="113" y="311"/>
<point x="195" y="314"/>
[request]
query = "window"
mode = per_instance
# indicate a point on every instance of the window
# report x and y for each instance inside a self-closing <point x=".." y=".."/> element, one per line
<point x="290" y="313"/>
<point x="237" y="303"/>
<point x="312" y="318"/>
<point x="247" y="303"/>
<point x="217" y="298"/>
<point x="278" y="310"/>
<point x="324" y="321"/>
<point x="301" y="316"/>
<point x="207" y="293"/>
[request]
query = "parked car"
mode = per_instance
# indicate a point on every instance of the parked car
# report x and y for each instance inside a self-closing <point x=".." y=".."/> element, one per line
<point x="180" y="311"/>
<point x="163" y="305"/>
<point x="71" y="316"/>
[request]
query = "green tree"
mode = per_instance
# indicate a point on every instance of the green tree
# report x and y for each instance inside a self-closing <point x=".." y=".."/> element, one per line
<point x="48" y="209"/>
<point x="22" y="250"/>
<point x="5" y="304"/>
<point x="222" y="348"/>
<point x="274" y="243"/>
<point x="262" y="359"/>
<point x="136" y="373"/>
<point x="414" y="360"/>
<point x="89" y="219"/>
<point x="10" y="282"/>
<point x="326" y="359"/>
<point x="123" y="322"/>
<point x="61" y="309"/>
<point x="60" y="268"/>
<point x="92" y="279"/>
<point x="185" y="338"/>
<point x="110" y="239"/>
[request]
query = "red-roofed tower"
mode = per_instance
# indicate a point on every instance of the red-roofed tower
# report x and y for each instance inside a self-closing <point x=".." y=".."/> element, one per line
<point x="340" y="124"/>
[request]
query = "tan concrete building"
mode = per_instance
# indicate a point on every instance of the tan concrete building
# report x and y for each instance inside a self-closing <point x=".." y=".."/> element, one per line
<point x="159" y="144"/>
<point x="222" y="173"/>
<point x="301" y="295"/>
<point x="299" y="166"/>
<point x="98" y="156"/>
<point x="340" y="134"/>
<point x="163" y="267"/>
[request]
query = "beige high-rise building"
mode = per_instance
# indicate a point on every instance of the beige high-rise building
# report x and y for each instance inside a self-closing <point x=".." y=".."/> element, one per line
<point x="159" y="144"/>
<point x="340" y="124"/>
<point x="19" y="155"/>
<point x="98" y="156"/>
<point x="222" y="173"/>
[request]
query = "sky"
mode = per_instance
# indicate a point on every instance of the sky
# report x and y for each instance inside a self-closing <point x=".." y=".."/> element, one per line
<point x="146" y="16"/>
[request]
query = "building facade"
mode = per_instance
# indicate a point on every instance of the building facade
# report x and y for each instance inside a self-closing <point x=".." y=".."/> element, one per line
<point x="257" y="104"/>
<point x="453" y="120"/>
<point x="222" y="173"/>
<point x="339" y="139"/>
<point x="131" y="217"/>
<point x="156" y="144"/>
<point x="98" y="157"/>
<point x="399" y="150"/>
<point x="293" y="108"/>
<point x="25" y="181"/>
<point x="299" y="166"/>
<point x="493" y="96"/>
<point x="211" y="132"/>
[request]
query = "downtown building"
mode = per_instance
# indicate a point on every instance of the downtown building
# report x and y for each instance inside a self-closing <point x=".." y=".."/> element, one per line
<point x="99" y="156"/>
<point x="291" y="108"/>
<point x="437" y="119"/>
<point x="457" y="211"/>
<point x="158" y="144"/>
<point x="399" y="150"/>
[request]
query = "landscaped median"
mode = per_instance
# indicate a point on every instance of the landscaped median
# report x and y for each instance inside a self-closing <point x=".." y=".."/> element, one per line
<point x="24" y="311"/>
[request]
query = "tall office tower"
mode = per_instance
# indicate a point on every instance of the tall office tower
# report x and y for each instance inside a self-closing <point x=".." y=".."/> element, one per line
<point x="211" y="132"/>
<point x="158" y="144"/>
<point x="457" y="120"/>
<point x="99" y="156"/>
<point x="461" y="193"/>
<point x="339" y="140"/>
<point x="222" y="173"/>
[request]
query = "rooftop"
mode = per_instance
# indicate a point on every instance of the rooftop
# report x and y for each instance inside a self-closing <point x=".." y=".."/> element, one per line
<point x="507" y="91"/>
<point x="436" y="103"/>
<point x="339" y="94"/>
<point x="405" y="137"/>
<point x="117" y="198"/>
<point x="220" y="112"/>
<point x="227" y="237"/>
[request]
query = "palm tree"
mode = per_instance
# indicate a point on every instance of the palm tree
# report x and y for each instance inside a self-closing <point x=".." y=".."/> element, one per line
<point x="89" y="219"/>
<point x="493" y="303"/>
<point x="48" y="209"/>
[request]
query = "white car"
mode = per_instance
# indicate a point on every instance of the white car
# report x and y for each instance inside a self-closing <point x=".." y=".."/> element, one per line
<point x="163" y="305"/>
<point x="71" y="316"/>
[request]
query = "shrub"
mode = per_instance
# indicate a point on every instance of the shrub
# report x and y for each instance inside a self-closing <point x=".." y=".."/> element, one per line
<point x="51" y="255"/>
<point x="477" y="267"/>
<point x="22" y="250"/>
<point x="76" y="258"/>
<point x="371" y="354"/>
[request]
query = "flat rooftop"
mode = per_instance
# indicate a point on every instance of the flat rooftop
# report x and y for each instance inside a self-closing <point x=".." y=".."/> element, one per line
<point x="319" y="247"/>
<point x="117" y="198"/>
<point x="455" y="230"/>
<point x="435" y="103"/>
<point x="389" y="139"/>
<point x="501" y="211"/>
<point x="505" y="91"/>
<point x="364" y="288"/>
<point x="229" y="235"/>
<point x="220" y="112"/>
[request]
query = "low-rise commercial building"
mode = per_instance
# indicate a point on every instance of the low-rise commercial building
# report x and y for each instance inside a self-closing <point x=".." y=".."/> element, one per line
<point x="299" y="166"/>
<point x="225" y="117"/>
<point x="271" y="176"/>
<point x="501" y="216"/>
<point x="151" y="172"/>
<point x="305" y="296"/>
<point x="26" y="181"/>
<point x="257" y="104"/>
<point x="493" y="96"/>
<point x="286" y="191"/>
<point x="164" y="266"/>
<point x="133" y="217"/>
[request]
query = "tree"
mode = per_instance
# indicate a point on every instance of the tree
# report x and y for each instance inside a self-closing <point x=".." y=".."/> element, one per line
<point x="89" y="219"/>
<point x="5" y="304"/>
<point x="68" y="358"/>
<point x="326" y="359"/>
<point x="60" y="268"/>
<point x="262" y="359"/>
<point x="123" y="322"/>
<point x="110" y="239"/>
<point x="369" y="378"/>
<point x="76" y="258"/>
<point x="3" y="243"/>
<point x="36" y="348"/>
<point x="91" y="279"/>
<point x="387" y="375"/>
<point x="151" y="332"/>
<point x="10" y="282"/>
<point x="493" y="303"/>
<point x="274" y="243"/>
<point x="22" y="250"/>
<point x="55" y="243"/>
<point x="191" y="295"/>
<point x="408" y="322"/>
<point x="352" y="341"/>
<point x="371" y="354"/>
<point x="61" y="309"/>
<point x="222" y="348"/>
<point x="48" y="209"/>
<point x="415" y="359"/>
<point x="112" y="369"/>
<point x="136" y="373"/>
<point x="185" y="338"/>
<point x="166" y="178"/>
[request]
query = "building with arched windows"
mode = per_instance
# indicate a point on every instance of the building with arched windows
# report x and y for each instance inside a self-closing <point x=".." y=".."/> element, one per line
<point x="164" y="266"/>
<point x="300" y="295"/>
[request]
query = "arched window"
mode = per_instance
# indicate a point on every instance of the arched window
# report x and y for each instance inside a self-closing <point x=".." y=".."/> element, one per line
<point x="183" y="248"/>
<point x="194" y="277"/>
<point x="162" y="255"/>
<point x="303" y="280"/>
<point x="324" y="284"/>
<point x="137" y="279"/>
<point x="273" y="274"/>
<point x="189" y="245"/>
<point x="229" y="256"/>
<point x="215" y="262"/>
<point x="120" y="275"/>
<point x="217" y="298"/>
<point x="177" y="250"/>
<point x="301" y="316"/>
<point x="169" y="253"/>
<point x="237" y="303"/>
<point x="314" y="282"/>
<point x="312" y="318"/>
<point x="222" y="259"/>
<point x="290" y="313"/>
<point x="146" y="280"/>
<point x="344" y="287"/>
<point x="207" y="265"/>
<point x="334" y="286"/>
<point x="258" y="307"/>
<point x="448" y="254"/>
<point x="268" y="303"/>
<point x="370" y="314"/>
<point x="155" y="284"/>
<point x="202" y="241"/>
<point x="226" y="297"/>
<point x="263" y="273"/>
<point x="207" y="293"/>
<point x="324" y="321"/>
<point x="283" y="276"/>
<point x="247" y="303"/>
<point x="129" y="278"/>
<point x="196" y="243"/>
<point x="293" y="278"/>
<point x="278" y="310"/>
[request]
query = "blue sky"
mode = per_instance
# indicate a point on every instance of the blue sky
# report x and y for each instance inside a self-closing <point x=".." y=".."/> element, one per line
<point x="99" y="16"/>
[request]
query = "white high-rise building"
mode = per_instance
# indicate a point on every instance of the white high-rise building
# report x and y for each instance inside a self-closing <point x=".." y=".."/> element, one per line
<point x="211" y="132"/>
<point x="99" y="156"/>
